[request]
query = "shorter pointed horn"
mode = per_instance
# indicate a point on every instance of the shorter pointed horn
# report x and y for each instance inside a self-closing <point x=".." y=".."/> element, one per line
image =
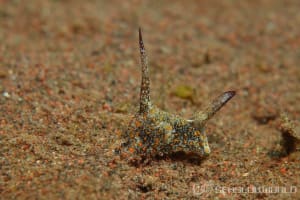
<point x="201" y="117"/>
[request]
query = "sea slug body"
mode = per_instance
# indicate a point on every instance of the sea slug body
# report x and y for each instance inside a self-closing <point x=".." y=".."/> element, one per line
<point x="154" y="132"/>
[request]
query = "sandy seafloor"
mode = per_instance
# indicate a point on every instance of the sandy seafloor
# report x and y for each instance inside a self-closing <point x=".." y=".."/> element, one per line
<point x="69" y="83"/>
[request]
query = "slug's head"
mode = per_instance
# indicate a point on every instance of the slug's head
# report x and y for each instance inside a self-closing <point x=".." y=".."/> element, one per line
<point x="197" y="141"/>
<point x="204" y="144"/>
<point x="193" y="143"/>
<point x="201" y="143"/>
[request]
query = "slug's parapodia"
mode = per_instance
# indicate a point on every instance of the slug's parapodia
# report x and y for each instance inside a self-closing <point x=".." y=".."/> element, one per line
<point x="155" y="132"/>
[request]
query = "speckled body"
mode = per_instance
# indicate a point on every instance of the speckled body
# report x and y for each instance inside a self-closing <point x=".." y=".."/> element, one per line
<point x="155" y="132"/>
<point x="159" y="133"/>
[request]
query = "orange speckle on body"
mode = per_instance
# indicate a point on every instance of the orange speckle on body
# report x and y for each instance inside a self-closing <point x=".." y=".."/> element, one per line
<point x="197" y="133"/>
<point x="156" y="141"/>
<point x="138" y="123"/>
<point x="80" y="161"/>
<point x="118" y="132"/>
<point x="283" y="170"/>
<point x="131" y="150"/>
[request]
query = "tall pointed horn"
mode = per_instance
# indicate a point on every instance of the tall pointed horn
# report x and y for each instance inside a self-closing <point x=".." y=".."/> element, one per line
<point x="145" y="85"/>
<point x="203" y="116"/>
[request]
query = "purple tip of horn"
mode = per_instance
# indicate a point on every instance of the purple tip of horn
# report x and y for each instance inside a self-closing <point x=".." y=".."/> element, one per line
<point x="220" y="101"/>
<point x="140" y="35"/>
<point x="141" y="43"/>
<point x="226" y="96"/>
